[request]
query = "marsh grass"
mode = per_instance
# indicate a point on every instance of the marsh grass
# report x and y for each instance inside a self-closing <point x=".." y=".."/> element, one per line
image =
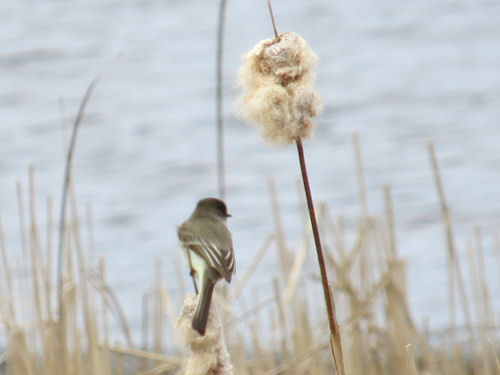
<point x="280" y="333"/>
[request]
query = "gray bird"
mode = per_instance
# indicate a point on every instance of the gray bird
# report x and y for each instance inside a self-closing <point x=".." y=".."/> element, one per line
<point x="208" y="247"/>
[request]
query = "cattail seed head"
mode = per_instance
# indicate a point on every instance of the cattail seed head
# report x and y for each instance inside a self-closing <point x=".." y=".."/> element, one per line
<point x="208" y="354"/>
<point x="277" y="77"/>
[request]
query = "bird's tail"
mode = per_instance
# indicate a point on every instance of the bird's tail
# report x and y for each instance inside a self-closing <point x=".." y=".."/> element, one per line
<point x="200" y="317"/>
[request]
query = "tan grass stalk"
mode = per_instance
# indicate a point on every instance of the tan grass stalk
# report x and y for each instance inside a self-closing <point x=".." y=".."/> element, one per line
<point x="494" y="353"/>
<point x="302" y="204"/>
<point x="179" y="274"/>
<point x="359" y="173"/>
<point x="48" y="260"/>
<point x="298" y="359"/>
<point x="239" y="355"/>
<point x="283" y="254"/>
<point x="145" y="328"/>
<point x="161" y="369"/>
<point x="89" y="219"/>
<point x="475" y="284"/>
<point x="35" y="250"/>
<point x="337" y="230"/>
<point x="167" y="305"/>
<point x="9" y="314"/>
<point x="252" y="311"/>
<point x="89" y="318"/>
<point x="22" y="221"/>
<point x="293" y="275"/>
<point x="303" y="337"/>
<point x="101" y="280"/>
<point x="272" y="345"/>
<point x="254" y="324"/>
<point x="483" y="283"/>
<point x="453" y="261"/>
<point x="158" y="309"/>
<point x="389" y="212"/>
<point x="21" y="363"/>
<point x="411" y="366"/>
<point x="35" y="270"/>
<point x="243" y="280"/>
<point x="112" y="303"/>
<point x="496" y="250"/>
<point x="61" y="329"/>
<point x="477" y="271"/>
<point x="66" y="182"/>
<point x="158" y="357"/>
<point x="282" y="321"/>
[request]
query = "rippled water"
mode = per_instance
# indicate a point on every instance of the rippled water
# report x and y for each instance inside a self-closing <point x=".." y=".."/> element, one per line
<point x="398" y="72"/>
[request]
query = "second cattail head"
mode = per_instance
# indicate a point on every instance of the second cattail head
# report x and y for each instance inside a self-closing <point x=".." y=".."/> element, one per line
<point x="277" y="77"/>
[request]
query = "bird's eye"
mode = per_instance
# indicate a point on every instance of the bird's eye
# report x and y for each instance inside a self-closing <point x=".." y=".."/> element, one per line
<point x="222" y="209"/>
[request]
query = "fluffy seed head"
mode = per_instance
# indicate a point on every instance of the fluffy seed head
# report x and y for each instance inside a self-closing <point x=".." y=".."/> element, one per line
<point x="277" y="77"/>
<point x="208" y="354"/>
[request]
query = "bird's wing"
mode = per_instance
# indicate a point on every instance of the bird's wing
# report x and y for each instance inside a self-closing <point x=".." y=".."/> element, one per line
<point x="222" y="259"/>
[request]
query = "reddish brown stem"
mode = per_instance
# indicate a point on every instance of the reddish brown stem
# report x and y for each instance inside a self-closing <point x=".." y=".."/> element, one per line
<point x="335" y="334"/>
<point x="272" y="18"/>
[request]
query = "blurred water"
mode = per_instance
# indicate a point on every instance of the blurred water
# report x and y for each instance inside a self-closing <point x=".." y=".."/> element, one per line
<point x="398" y="72"/>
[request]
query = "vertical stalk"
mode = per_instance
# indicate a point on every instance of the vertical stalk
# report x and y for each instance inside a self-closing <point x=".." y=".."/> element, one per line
<point x="360" y="175"/>
<point x="273" y="20"/>
<point x="389" y="212"/>
<point x="158" y="308"/>
<point x="9" y="314"/>
<point x="66" y="183"/>
<point x="34" y="249"/>
<point x="453" y="261"/>
<point x="284" y="259"/>
<point x="221" y="168"/>
<point x="335" y="339"/>
<point x="67" y="179"/>
<point x="61" y="325"/>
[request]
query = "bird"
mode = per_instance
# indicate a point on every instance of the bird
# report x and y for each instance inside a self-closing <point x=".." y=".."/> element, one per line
<point x="208" y="248"/>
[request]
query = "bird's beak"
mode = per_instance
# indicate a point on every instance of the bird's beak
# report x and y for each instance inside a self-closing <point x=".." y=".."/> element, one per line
<point x="228" y="215"/>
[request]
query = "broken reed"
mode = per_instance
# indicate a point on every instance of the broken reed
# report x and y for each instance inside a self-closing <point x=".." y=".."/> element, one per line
<point x="379" y="333"/>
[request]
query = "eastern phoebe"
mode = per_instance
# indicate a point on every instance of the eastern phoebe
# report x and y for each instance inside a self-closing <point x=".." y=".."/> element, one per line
<point x="208" y="247"/>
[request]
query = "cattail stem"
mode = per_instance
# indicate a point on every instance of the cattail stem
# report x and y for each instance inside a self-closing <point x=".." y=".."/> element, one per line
<point x="335" y="339"/>
<point x="273" y="20"/>
<point x="221" y="168"/>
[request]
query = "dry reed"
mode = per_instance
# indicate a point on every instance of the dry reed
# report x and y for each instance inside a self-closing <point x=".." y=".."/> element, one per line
<point x="63" y="327"/>
<point x="379" y="333"/>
